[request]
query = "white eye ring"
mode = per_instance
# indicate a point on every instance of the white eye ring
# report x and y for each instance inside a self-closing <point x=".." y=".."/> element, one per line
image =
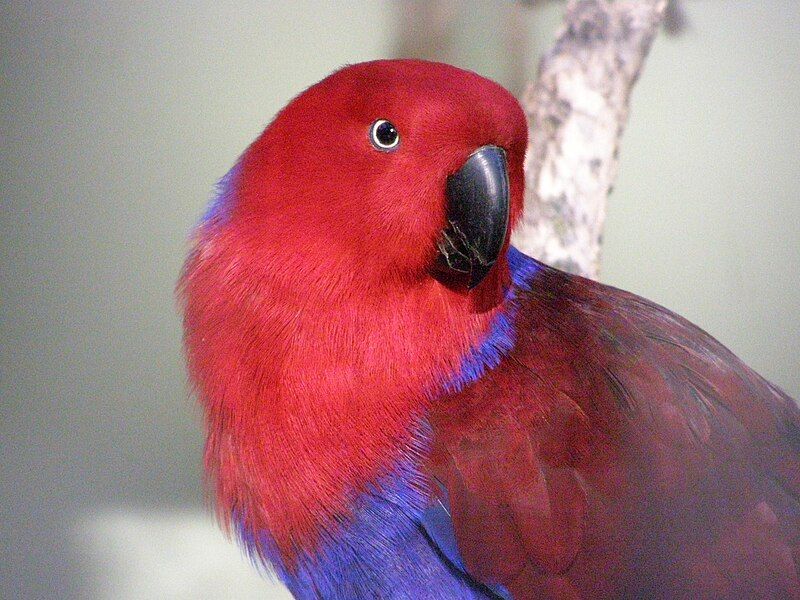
<point x="383" y="135"/>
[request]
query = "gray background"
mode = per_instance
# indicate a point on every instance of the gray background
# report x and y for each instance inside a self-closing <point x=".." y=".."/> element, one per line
<point x="117" y="120"/>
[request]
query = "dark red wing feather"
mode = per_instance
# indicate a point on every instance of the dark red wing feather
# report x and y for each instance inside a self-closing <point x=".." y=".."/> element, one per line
<point x="619" y="450"/>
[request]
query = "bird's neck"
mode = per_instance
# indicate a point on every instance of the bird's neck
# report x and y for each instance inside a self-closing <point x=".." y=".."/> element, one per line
<point x="326" y="396"/>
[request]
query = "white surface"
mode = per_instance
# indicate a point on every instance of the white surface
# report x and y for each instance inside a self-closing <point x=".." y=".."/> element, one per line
<point x="167" y="556"/>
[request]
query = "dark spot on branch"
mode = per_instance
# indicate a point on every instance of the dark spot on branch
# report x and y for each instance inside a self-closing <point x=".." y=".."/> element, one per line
<point x="590" y="25"/>
<point x="675" y="19"/>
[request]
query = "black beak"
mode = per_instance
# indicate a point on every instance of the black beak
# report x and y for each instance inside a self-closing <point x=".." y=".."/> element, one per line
<point x="477" y="217"/>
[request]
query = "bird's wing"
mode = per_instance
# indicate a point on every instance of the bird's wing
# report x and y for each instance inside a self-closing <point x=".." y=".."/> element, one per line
<point x="617" y="450"/>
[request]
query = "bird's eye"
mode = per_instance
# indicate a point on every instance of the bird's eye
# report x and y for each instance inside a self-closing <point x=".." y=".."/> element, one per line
<point x="383" y="135"/>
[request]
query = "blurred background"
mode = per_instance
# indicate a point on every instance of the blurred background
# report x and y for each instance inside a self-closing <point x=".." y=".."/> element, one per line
<point x="118" y="118"/>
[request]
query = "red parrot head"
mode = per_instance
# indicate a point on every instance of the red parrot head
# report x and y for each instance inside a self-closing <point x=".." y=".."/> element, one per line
<point x="357" y="255"/>
<point x="357" y="168"/>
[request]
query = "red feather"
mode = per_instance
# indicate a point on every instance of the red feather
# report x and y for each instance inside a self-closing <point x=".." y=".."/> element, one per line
<point x="616" y="451"/>
<point x="303" y="306"/>
<point x="621" y="451"/>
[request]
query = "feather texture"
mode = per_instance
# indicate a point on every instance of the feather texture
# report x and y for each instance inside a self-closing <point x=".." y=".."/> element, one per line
<point x="618" y="450"/>
<point x="372" y="433"/>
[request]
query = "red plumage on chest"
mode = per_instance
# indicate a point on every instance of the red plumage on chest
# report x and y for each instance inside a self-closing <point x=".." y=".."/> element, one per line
<point x="314" y="330"/>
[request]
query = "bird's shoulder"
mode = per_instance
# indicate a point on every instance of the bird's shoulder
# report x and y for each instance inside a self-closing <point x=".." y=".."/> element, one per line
<point x="614" y="425"/>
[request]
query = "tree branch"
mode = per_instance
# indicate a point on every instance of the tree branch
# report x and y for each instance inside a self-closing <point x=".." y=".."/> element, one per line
<point x="577" y="110"/>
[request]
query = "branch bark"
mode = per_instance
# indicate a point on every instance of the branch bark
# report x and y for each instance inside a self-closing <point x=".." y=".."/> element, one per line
<point x="577" y="110"/>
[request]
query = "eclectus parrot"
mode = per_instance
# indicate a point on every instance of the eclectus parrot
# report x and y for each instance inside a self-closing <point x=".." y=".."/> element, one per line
<point x="401" y="405"/>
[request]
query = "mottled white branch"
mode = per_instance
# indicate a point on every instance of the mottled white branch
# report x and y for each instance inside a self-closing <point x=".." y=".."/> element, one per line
<point x="577" y="110"/>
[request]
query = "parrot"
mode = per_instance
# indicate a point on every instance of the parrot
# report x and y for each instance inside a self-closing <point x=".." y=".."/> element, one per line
<point x="399" y="404"/>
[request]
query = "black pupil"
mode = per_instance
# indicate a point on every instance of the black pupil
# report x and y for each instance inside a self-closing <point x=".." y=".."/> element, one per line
<point x="386" y="134"/>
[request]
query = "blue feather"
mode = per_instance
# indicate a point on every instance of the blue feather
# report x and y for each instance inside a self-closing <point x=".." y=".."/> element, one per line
<point x="500" y="339"/>
<point x="395" y="545"/>
<point x="381" y="552"/>
<point x="219" y="208"/>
